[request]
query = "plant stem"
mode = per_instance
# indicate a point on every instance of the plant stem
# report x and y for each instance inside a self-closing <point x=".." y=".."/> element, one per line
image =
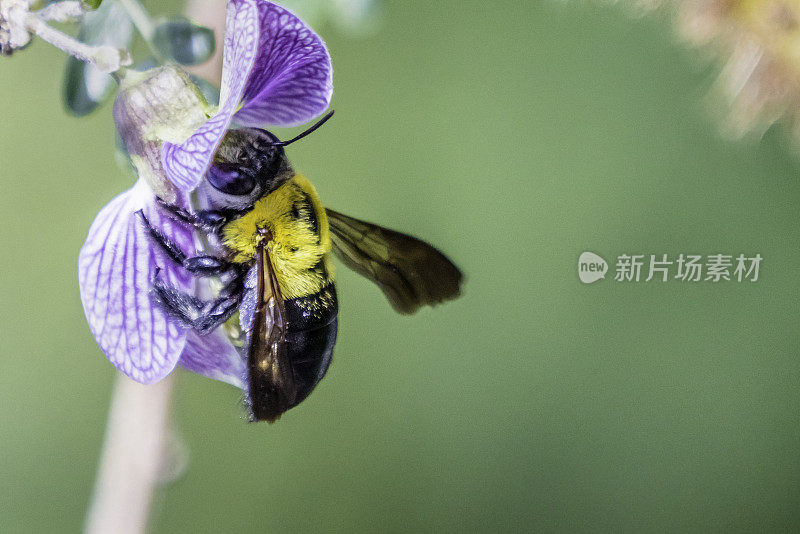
<point x="140" y="17"/>
<point x="106" y="58"/>
<point x="132" y="457"/>
<point x="143" y="24"/>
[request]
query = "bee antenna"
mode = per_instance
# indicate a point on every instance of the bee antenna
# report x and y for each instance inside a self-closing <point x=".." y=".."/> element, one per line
<point x="319" y="123"/>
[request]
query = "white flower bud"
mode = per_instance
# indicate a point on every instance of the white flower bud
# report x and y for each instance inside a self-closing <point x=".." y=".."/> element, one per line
<point x="152" y="107"/>
<point x="13" y="34"/>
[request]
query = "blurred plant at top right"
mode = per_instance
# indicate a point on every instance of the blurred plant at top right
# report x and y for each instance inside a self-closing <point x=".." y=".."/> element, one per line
<point x="355" y="18"/>
<point x="758" y="45"/>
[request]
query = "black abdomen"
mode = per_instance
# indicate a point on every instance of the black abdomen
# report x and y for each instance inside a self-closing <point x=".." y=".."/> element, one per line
<point x="311" y="335"/>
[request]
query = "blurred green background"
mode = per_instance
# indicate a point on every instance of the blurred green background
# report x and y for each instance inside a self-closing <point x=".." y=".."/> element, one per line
<point x="514" y="135"/>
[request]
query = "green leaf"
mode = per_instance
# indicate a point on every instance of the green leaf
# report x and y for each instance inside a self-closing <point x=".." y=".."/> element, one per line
<point x="91" y="4"/>
<point x="183" y="41"/>
<point x="85" y="87"/>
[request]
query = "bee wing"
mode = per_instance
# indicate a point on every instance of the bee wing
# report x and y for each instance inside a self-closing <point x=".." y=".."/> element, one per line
<point x="272" y="387"/>
<point x="410" y="272"/>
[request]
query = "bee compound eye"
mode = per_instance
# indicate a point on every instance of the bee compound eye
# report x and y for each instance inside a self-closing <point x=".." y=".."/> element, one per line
<point x="231" y="179"/>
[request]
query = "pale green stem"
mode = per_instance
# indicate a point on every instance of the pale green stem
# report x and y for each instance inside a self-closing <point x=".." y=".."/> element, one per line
<point x="140" y="17"/>
<point x="132" y="459"/>
<point x="143" y="24"/>
<point x="105" y="58"/>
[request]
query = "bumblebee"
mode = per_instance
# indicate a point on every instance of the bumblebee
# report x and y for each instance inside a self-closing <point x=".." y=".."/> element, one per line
<point x="276" y="240"/>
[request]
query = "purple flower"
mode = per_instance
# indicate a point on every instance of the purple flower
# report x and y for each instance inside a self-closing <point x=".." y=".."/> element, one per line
<point x="276" y="71"/>
<point x="276" y="68"/>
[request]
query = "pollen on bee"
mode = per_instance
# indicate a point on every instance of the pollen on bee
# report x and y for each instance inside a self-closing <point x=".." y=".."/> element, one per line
<point x="296" y="245"/>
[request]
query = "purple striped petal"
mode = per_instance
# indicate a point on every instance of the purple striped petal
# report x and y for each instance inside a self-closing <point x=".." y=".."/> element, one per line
<point x="291" y="82"/>
<point x="116" y="265"/>
<point x="186" y="164"/>
<point x="214" y="356"/>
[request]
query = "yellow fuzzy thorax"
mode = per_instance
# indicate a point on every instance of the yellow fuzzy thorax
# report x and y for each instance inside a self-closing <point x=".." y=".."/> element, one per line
<point x="295" y="248"/>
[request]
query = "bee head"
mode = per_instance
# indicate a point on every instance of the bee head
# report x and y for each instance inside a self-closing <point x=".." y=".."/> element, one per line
<point x="249" y="164"/>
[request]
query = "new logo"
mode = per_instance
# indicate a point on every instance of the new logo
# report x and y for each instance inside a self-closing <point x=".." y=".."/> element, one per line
<point x="591" y="267"/>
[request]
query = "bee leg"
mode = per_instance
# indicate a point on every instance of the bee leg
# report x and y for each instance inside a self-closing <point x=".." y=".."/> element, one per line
<point x="207" y="220"/>
<point x="203" y="265"/>
<point x="200" y="315"/>
<point x="235" y="285"/>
